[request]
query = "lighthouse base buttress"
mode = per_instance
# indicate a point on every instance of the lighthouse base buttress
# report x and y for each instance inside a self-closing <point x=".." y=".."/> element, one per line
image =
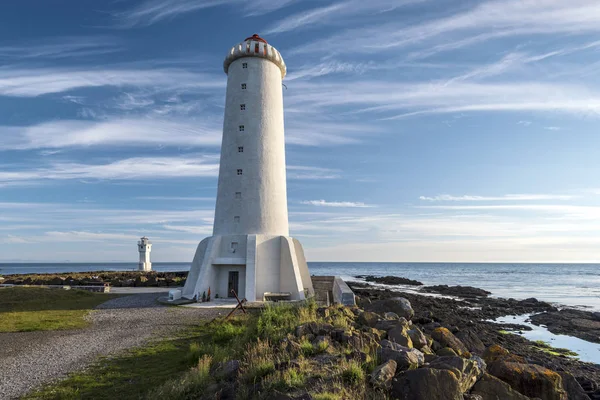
<point x="254" y="266"/>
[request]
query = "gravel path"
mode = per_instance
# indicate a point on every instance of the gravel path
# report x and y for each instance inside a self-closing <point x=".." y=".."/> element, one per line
<point x="30" y="359"/>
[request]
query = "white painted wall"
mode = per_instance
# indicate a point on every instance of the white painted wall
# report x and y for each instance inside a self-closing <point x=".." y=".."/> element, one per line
<point x="262" y="208"/>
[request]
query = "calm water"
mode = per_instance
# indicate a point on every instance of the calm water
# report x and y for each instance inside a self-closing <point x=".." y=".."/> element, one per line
<point x="569" y="284"/>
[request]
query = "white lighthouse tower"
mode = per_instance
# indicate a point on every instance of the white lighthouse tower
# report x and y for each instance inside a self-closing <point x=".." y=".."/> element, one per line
<point x="144" y="247"/>
<point x="250" y="251"/>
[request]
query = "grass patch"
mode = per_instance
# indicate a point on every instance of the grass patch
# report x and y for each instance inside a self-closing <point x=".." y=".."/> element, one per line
<point x="25" y="309"/>
<point x="179" y="368"/>
<point x="554" y="351"/>
<point x="352" y="373"/>
<point x="175" y="366"/>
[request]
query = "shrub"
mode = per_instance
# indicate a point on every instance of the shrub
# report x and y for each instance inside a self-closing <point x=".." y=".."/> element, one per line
<point x="259" y="360"/>
<point x="306" y="347"/>
<point x="352" y="373"/>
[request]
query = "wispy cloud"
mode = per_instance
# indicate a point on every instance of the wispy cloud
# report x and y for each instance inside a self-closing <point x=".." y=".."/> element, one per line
<point x="467" y="27"/>
<point x="336" y="12"/>
<point x="401" y="100"/>
<point x="323" y="203"/>
<point x="130" y="168"/>
<point x="176" y="198"/>
<point x="150" y="12"/>
<point x="311" y="173"/>
<point x="62" y="47"/>
<point x="125" y="132"/>
<point x="509" y="197"/>
<point x="36" y="82"/>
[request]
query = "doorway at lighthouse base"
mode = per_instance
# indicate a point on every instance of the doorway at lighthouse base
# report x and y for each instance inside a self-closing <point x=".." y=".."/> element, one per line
<point x="251" y="265"/>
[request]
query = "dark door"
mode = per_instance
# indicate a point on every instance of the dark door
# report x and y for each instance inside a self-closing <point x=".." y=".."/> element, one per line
<point x="234" y="280"/>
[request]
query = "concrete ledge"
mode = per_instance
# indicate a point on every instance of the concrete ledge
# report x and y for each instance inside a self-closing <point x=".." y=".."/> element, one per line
<point x="342" y="294"/>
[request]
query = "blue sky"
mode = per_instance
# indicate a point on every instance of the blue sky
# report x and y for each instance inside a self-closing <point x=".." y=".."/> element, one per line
<point x="416" y="130"/>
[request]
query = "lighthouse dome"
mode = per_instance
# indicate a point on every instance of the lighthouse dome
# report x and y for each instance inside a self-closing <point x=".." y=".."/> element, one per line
<point x="255" y="46"/>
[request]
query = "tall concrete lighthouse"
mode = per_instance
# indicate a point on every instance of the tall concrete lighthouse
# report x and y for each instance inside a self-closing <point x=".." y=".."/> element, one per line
<point x="250" y="251"/>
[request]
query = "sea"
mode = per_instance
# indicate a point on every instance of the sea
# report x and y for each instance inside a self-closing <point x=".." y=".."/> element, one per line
<point x="575" y="285"/>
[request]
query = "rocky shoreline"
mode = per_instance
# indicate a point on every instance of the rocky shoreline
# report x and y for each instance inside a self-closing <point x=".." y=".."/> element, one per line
<point x="113" y="278"/>
<point x="466" y="316"/>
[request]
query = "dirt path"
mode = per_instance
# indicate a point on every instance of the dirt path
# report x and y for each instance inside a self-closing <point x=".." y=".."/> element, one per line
<point x="30" y="359"/>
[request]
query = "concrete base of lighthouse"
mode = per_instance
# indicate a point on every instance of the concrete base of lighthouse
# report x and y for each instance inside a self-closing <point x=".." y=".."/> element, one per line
<point x="252" y="265"/>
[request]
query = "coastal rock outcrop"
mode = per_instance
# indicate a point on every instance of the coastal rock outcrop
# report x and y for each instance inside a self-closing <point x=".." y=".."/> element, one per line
<point x="491" y="388"/>
<point x="427" y="384"/>
<point x="382" y="376"/>
<point x="459" y="291"/>
<point x="390" y="280"/>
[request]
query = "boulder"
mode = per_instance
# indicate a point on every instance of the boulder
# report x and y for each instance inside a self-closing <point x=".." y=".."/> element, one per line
<point x="418" y="338"/>
<point x="387" y="324"/>
<point x="399" y="334"/>
<point x="398" y="305"/>
<point x="393" y="315"/>
<point x="492" y="388"/>
<point x="57" y="280"/>
<point x="405" y="358"/>
<point x="447" y="339"/>
<point x="471" y="340"/>
<point x="466" y="371"/>
<point x="368" y="318"/>
<point x="446" y="352"/>
<point x="572" y="387"/>
<point x="426" y="384"/>
<point x="529" y="379"/>
<point x="381" y="377"/>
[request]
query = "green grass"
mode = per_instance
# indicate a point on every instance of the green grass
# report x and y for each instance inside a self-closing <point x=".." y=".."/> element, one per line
<point x="166" y="366"/>
<point x="24" y="309"/>
<point x="554" y="351"/>
<point x="178" y="368"/>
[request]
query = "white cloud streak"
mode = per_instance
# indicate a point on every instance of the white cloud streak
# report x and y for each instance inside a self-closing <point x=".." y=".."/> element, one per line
<point x="61" y="47"/>
<point x="507" y="197"/>
<point x="36" y="82"/>
<point x="345" y="204"/>
<point x="150" y="12"/>
<point x="125" y="132"/>
<point x="336" y="12"/>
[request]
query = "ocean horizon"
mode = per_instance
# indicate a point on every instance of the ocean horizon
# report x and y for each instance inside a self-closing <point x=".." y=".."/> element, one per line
<point x="575" y="285"/>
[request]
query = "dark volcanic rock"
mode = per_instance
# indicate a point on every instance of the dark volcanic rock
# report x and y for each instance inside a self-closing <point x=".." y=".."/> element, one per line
<point x="381" y="377"/>
<point x="572" y="387"/>
<point x="399" y="305"/>
<point x="459" y="291"/>
<point x="390" y="280"/>
<point x="427" y="384"/>
<point x="444" y="337"/>
<point x="530" y="379"/>
<point x="582" y="324"/>
<point x="492" y="388"/>
<point x="467" y="371"/>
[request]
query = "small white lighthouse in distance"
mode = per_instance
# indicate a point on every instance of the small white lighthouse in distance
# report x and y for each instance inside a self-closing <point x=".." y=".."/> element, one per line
<point x="144" y="247"/>
<point x="250" y="250"/>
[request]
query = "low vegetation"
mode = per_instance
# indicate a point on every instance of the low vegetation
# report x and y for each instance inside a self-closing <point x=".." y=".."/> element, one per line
<point x="24" y="309"/>
<point x="554" y="351"/>
<point x="253" y="356"/>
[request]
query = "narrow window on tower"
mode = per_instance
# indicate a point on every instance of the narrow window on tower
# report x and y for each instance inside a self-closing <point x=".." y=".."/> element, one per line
<point x="244" y="65"/>
<point x="236" y="219"/>
<point x="242" y="107"/>
<point x="238" y="195"/>
<point x="241" y="128"/>
<point x="240" y="149"/>
<point x="239" y="172"/>
<point x="243" y="86"/>
<point x="234" y="246"/>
